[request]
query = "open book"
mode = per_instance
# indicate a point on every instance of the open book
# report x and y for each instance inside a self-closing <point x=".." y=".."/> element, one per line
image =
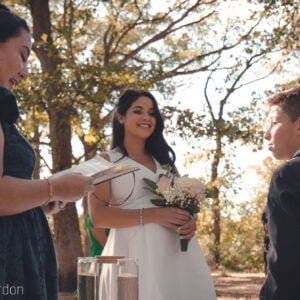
<point x="99" y="169"/>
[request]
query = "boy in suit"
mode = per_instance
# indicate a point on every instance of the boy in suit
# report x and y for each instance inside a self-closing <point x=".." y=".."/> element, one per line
<point x="283" y="136"/>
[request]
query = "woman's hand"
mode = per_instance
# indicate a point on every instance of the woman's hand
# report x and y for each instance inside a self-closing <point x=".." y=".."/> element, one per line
<point x="187" y="231"/>
<point x="71" y="187"/>
<point x="170" y="217"/>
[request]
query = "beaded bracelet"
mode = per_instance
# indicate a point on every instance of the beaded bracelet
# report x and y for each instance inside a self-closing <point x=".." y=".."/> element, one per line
<point x="141" y="216"/>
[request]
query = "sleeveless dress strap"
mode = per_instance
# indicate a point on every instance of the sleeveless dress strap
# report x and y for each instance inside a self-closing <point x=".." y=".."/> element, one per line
<point x="115" y="157"/>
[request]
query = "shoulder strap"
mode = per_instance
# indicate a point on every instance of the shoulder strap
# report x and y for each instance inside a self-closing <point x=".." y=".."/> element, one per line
<point x="115" y="157"/>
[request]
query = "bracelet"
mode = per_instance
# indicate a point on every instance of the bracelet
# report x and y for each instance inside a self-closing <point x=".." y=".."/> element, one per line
<point x="141" y="216"/>
<point x="50" y="192"/>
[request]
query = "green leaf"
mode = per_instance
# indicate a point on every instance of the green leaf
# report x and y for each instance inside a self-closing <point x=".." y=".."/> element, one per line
<point x="159" y="202"/>
<point x="208" y="193"/>
<point x="194" y="209"/>
<point x="149" y="189"/>
<point x="151" y="184"/>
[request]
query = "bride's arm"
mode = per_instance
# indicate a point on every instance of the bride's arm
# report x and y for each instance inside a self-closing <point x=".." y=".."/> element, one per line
<point x="105" y="216"/>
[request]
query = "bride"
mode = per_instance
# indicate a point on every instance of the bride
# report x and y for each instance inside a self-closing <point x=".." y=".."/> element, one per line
<point x="138" y="228"/>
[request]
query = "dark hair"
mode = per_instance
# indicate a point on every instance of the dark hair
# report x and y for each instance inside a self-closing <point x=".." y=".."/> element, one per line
<point x="10" y="24"/>
<point x="289" y="101"/>
<point x="156" y="144"/>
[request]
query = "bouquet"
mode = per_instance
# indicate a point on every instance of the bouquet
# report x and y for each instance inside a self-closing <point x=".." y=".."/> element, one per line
<point x="181" y="192"/>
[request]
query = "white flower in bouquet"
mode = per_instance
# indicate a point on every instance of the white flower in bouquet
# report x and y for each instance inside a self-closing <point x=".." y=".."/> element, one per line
<point x="191" y="186"/>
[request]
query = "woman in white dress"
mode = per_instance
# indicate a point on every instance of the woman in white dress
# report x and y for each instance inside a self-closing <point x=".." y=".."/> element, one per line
<point x="138" y="228"/>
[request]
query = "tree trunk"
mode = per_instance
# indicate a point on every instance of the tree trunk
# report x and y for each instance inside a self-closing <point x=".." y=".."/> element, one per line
<point x="68" y="247"/>
<point x="66" y="224"/>
<point x="90" y="150"/>
<point x="216" y="228"/>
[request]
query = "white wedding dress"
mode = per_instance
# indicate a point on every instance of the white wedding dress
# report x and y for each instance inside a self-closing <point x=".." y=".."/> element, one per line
<point x="165" y="273"/>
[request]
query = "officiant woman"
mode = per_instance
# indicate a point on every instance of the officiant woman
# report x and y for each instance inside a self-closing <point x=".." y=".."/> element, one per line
<point x="27" y="259"/>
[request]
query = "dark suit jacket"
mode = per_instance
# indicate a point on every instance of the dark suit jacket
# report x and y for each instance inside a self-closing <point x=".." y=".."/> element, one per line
<point x="283" y="277"/>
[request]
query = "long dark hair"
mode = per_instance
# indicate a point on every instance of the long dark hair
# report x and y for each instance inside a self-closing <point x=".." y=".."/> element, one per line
<point x="156" y="144"/>
<point x="10" y="24"/>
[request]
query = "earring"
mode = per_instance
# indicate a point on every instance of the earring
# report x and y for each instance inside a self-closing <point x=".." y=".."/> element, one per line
<point x="121" y="122"/>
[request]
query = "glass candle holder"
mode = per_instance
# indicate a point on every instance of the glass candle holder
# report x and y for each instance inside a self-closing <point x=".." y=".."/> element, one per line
<point x="127" y="279"/>
<point x="87" y="270"/>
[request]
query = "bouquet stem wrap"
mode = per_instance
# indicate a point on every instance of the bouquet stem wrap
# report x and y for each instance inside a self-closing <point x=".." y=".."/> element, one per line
<point x="184" y="245"/>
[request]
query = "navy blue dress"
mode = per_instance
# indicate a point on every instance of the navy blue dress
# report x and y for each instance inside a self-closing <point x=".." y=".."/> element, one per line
<point x="27" y="258"/>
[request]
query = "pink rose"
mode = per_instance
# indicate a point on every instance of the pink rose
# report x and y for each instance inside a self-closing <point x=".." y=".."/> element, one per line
<point x="163" y="186"/>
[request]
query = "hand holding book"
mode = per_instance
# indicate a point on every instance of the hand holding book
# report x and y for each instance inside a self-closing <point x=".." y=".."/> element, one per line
<point x="99" y="169"/>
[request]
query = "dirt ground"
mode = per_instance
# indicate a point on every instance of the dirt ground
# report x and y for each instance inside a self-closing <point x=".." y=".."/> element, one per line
<point x="242" y="286"/>
<point x="229" y="286"/>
